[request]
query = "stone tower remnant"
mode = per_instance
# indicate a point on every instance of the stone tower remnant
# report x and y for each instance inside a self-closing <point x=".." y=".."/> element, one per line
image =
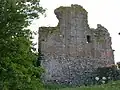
<point x="72" y="50"/>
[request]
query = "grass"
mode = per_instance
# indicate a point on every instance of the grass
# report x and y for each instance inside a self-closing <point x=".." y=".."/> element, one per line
<point x="115" y="85"/>
<point x="55" y="87"/>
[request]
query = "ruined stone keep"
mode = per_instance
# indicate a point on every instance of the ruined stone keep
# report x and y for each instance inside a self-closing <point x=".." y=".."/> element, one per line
<point x="72" y="50"/>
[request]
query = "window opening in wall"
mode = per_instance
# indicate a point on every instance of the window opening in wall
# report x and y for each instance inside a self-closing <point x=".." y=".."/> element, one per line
<point x="43" y="40"/>
<point x="88" y="39"/>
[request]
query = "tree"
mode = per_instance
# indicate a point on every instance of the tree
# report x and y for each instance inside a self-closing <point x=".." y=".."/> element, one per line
<point x="18" y="70"/>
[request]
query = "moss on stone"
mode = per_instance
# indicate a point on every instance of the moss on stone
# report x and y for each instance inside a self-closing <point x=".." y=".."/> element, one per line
<point x="99" y="34"/>
<point x="47" y="31"/>
<point x="74" y="8"/>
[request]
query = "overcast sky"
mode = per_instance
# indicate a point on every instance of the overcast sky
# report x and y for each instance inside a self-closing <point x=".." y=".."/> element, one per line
<point x="104" y="12"/>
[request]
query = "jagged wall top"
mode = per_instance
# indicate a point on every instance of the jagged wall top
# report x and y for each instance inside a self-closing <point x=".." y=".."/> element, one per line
<point x="73" y="8"/>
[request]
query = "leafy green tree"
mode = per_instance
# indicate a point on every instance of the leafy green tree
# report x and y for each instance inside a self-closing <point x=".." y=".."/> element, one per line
<point x="18" y="70"/>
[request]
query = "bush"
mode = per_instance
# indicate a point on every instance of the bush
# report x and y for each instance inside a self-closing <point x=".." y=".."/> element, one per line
<point x="105" y="74"/>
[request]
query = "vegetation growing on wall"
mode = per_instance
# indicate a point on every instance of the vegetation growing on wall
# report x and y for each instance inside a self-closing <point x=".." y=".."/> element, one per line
<point x="63" y="10"/>
<point x="48" y="31"/>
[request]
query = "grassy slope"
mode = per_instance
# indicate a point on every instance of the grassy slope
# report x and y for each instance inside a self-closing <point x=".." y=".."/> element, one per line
<point x="110" y="86"/>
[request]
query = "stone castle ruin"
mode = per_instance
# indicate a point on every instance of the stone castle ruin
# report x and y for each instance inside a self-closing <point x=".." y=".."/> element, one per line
<point x="72" y="50"/>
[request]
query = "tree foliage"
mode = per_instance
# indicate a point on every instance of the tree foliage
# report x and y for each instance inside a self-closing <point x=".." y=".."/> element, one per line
<point x="18" y="70"/>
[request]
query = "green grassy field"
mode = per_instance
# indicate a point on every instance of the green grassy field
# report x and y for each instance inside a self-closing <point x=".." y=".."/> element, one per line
<point x="110" y="86"/>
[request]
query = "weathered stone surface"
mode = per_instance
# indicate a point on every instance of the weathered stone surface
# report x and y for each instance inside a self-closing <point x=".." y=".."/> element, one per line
<point x="73" y="50"/>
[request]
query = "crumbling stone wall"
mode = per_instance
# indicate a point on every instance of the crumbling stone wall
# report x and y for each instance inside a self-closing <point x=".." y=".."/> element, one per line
<point x="72" y="50"/>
